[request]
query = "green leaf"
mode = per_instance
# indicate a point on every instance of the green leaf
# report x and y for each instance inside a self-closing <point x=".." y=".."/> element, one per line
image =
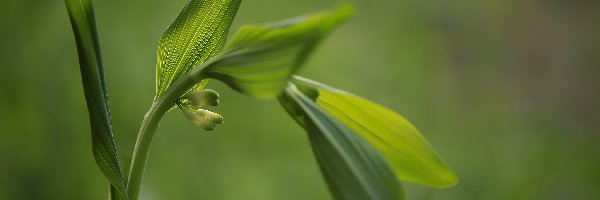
<point x="197" y="34"/>
<point x="351" y="167"/>
<point x="411" y="157"/>
<point x="261" y="58"/>
<point x="81" y="14"/>
<point x="113" y="194"/>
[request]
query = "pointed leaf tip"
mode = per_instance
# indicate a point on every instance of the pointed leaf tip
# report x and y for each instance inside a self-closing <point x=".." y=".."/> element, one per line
<point x="260" y="59"/>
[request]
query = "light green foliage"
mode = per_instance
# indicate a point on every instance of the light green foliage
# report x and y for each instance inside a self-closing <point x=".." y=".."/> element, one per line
<point x="260" y="58"/>
<point x="396" y="139"/>
<point x="352" y="168"/>
<point x="105" y="153"/>
<point x="198" y="34"/>
<point x="363" y="149"/>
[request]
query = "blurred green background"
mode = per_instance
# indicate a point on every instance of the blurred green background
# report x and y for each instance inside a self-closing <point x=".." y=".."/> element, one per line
<point x="508" y="92"/>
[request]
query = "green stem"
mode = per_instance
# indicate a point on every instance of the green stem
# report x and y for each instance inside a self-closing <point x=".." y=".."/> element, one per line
<point x="159" y="107"/>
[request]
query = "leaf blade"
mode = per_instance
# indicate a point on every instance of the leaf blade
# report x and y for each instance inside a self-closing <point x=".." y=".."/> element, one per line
<point x="261" y="58"/>
<point x="197" y="34"/>
<point x="412" y="158"/>
<point x="350" y="166"/>
<point x="81" y="14"/>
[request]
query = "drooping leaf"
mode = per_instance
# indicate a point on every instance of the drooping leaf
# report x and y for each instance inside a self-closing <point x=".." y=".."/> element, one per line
<point x="83" y="22"/>
<point x="261" y="58"/>
<point x="197" y="34"/>
<point x="352" y="169"/>
<point x="400" y="143"/>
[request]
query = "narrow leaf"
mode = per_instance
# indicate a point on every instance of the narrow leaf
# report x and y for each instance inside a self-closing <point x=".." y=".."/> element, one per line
<point x="83" y="22"/>
<point x="411" y="157"/>
<point x="197" y="34"/>
<point x="352" y="169"/>
<point x="113" y="194"/>
<point x="261" y="58"/>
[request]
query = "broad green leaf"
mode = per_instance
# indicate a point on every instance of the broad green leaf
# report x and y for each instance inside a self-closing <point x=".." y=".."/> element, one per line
<point x="261" y="58"/>
<point x="81" y="14"/>
<point x="197" y="34"/>
<point x="400" y="143"/>
<point x="351" y="167"/>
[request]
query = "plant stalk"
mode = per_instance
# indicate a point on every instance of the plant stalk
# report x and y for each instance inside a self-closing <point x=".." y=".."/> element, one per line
<point x="151" y="120"/>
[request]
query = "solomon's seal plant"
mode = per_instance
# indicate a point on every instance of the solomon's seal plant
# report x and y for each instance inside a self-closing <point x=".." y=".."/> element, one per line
<point x="363" y="150"/>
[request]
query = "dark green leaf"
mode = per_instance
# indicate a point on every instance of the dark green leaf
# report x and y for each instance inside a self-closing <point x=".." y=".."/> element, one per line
<point x="81" y="14"/>
<point x="113" y="193"/>
<point x="197" y="34"/>
<point x="261" y="58"/>
<point x="351" y="167"/>
<point x="400" y="143"/>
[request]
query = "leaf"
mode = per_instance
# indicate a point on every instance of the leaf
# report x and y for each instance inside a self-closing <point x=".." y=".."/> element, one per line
<point x="112" y="192"/>
<point x="411" y="157"/>
<point x="261" y="58"/>
<point x="351" y="167"/>
<point x="83" y="22"/>
<point x="197" y="34"/>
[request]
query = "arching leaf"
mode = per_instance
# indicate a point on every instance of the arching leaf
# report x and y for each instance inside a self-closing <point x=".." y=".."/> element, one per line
<point x="352" y="168"/>
<point x="261" y="58"/>
<point x="395" y="138"/>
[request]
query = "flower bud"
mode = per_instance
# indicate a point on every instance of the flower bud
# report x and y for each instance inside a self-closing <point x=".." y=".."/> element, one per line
<point x="205" y="119"/>
<point x="211" y="116"/>
<point x="206" y="97"/>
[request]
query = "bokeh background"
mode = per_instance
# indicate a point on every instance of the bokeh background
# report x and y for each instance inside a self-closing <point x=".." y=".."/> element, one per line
<point x="508" y="92"/>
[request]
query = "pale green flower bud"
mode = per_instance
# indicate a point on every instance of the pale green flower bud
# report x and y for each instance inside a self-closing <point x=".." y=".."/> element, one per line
<point x="211" y="116"/>
<point x="206" y="97"/>
<point x="205" y="119"/>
